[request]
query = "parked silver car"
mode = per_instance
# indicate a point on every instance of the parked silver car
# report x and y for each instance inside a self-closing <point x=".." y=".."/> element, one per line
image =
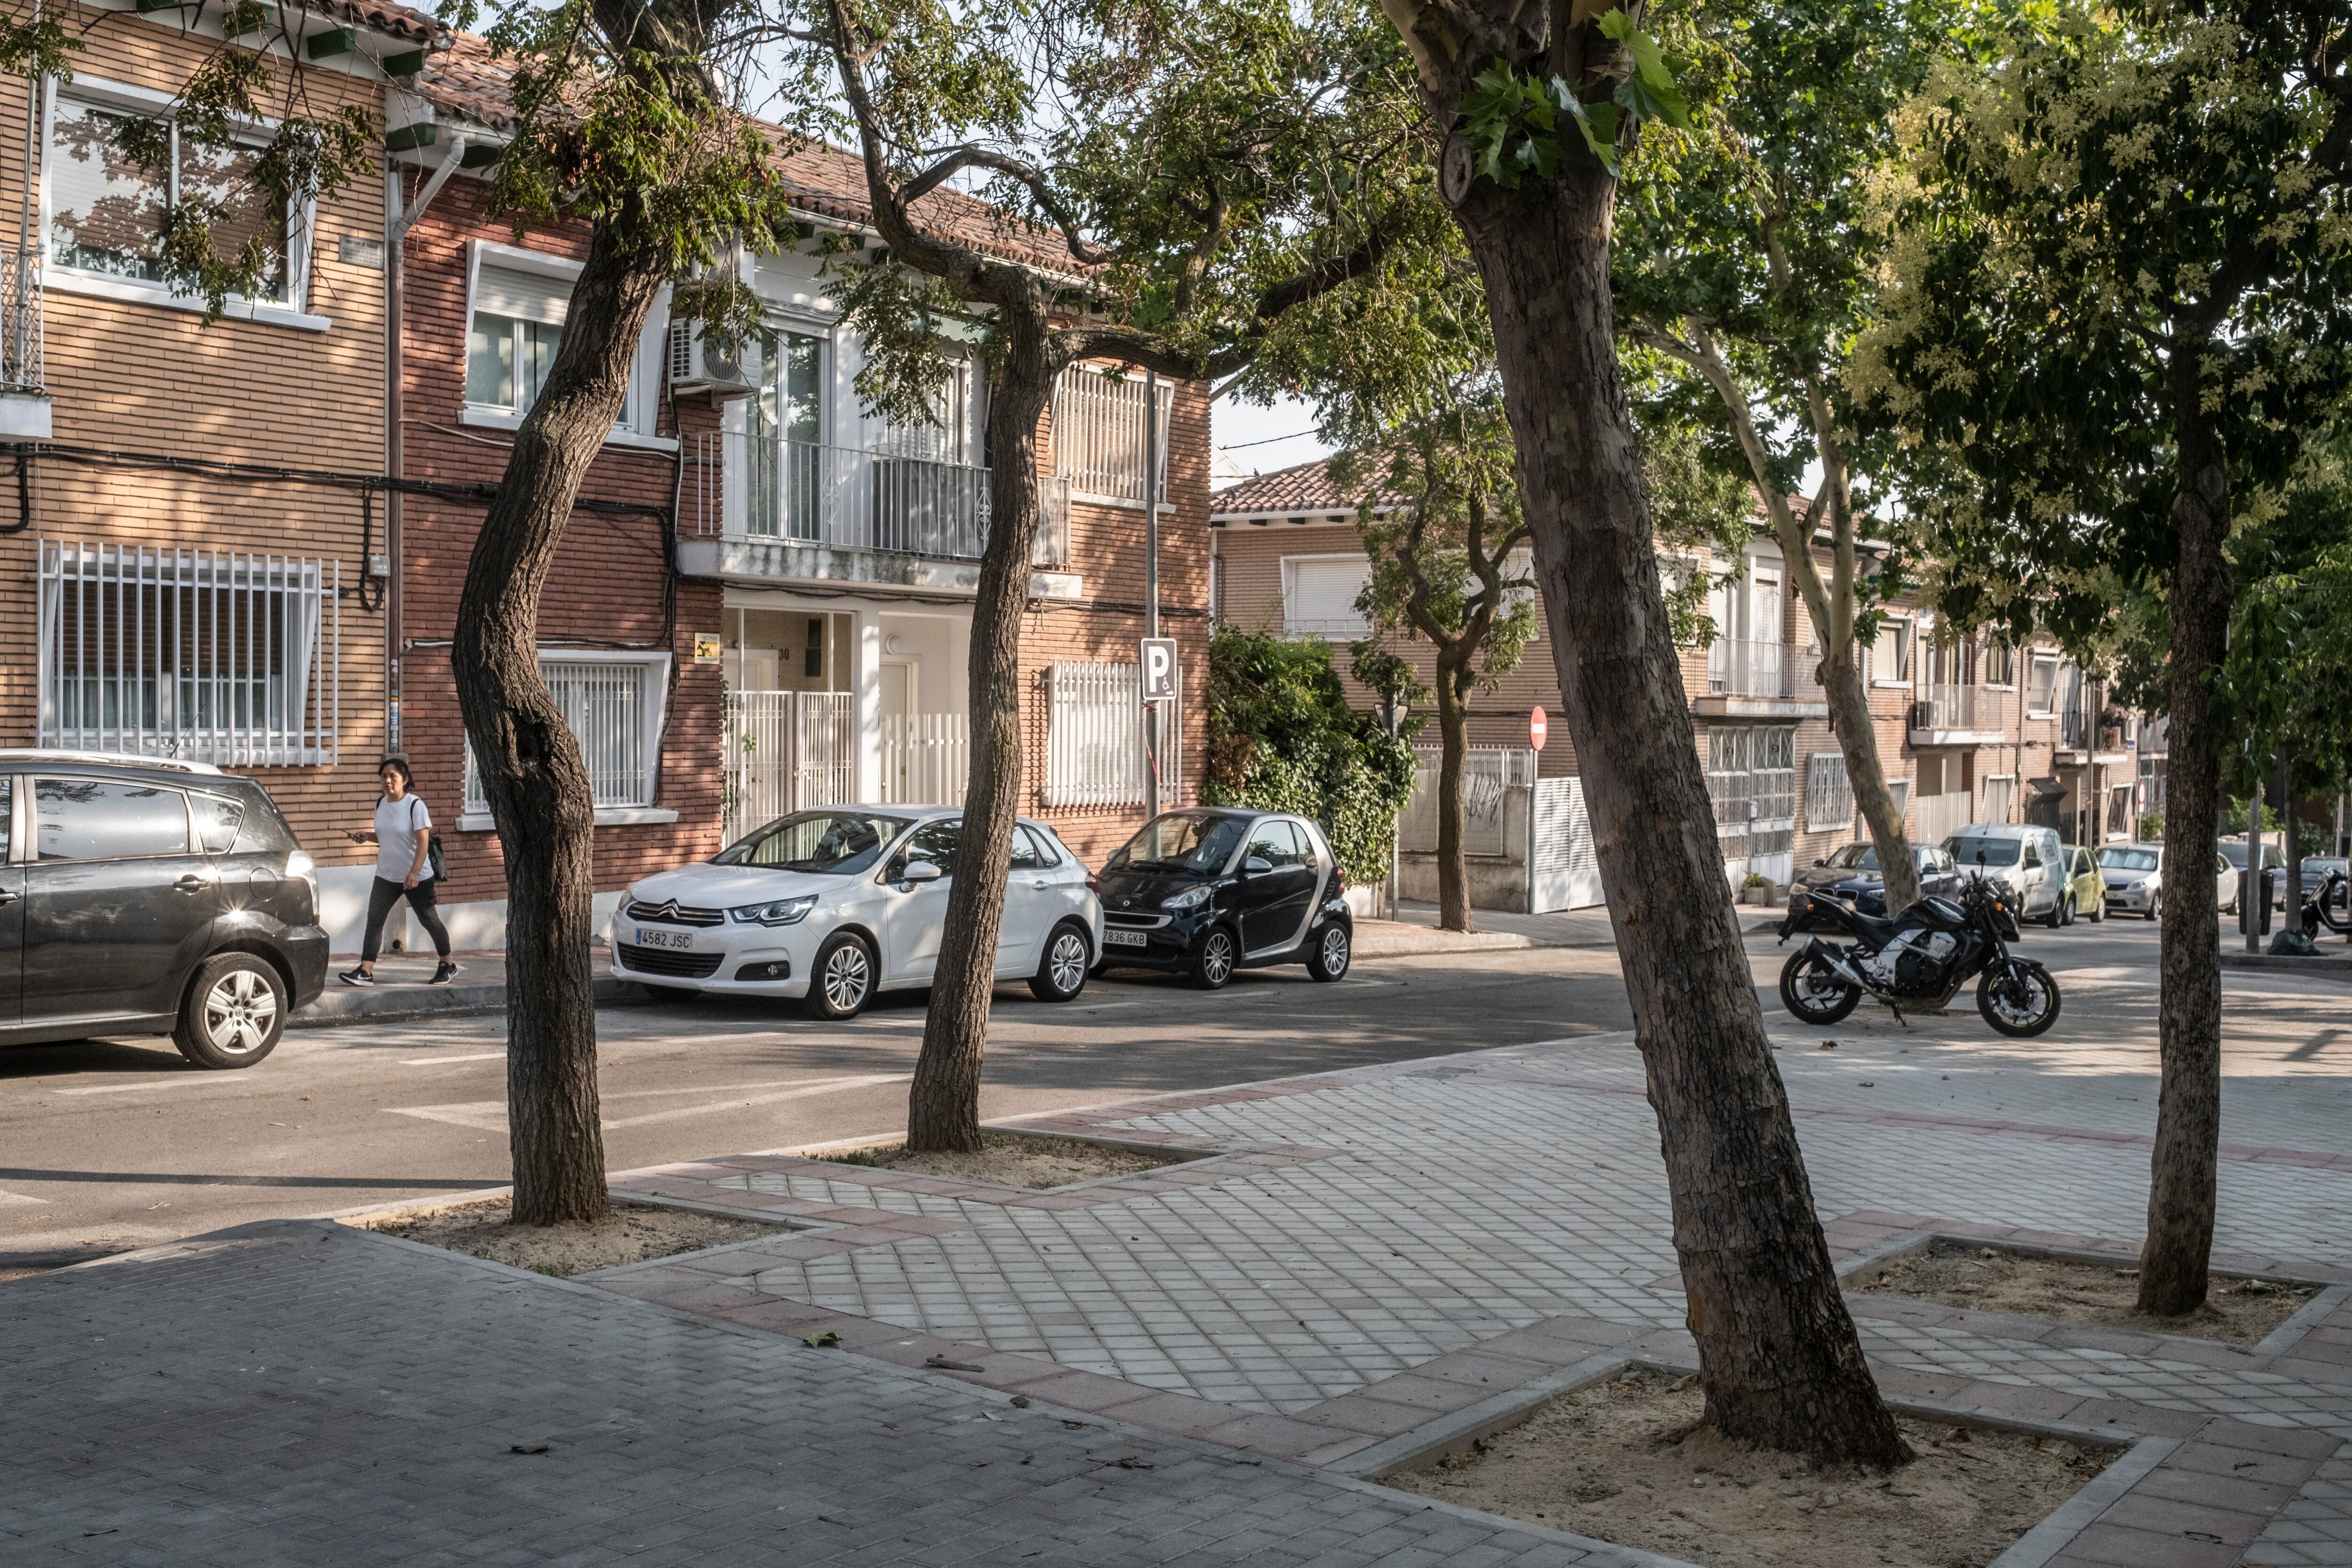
<point x="2136" y="877"/>
<point x="2023" y="859"/>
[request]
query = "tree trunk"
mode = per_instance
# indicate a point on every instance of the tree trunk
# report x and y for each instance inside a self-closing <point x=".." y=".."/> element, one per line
<point x="529" y="762"/>
<point x="1873" y="799"/>
<point x="943" y="1104"/>
<point x="1781" y="1361"/>
<point x="2180" y="1193"/>
<point x="1453" y="752"/>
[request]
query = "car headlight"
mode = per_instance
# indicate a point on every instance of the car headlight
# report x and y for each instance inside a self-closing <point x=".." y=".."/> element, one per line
<point x="1191" y="898"/>
<point x="783" y="912"/>
<point x="300" y="865"/>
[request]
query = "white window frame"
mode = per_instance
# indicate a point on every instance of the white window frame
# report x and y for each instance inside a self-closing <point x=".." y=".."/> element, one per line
<point x="302" y="223"/>
<point x="476" y="814"/>
<point x="1350" y="628"/>
<point x="636" y="424"/>
<point x="226" y="607"/>
<point x="2049" y="708"/>
<point x="1906" y="630"/>
<point x="2010" y="801"/>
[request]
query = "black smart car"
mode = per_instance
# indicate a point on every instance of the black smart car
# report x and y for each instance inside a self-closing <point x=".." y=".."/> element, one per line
<point x="1211" y="890"/>
<point x="144" y="897"/>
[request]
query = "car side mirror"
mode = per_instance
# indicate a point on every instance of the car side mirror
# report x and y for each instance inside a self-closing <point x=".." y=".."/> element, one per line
<point x="1818" y="864"/>
<point x="920" y="870"/>
<point x="1256" y="865"/>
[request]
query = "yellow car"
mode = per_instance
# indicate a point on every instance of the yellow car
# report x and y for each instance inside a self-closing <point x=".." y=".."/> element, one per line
<point x="2086" y="888"/>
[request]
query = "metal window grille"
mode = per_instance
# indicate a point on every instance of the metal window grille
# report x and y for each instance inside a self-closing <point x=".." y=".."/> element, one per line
<point x="604" y="702"/>
<point x="22" y="360"/>
<point x="1829" y="793"/>
<point x="206" y="655"/>
<point x="1094" y="746"/>
<point x="1098" y="433"/>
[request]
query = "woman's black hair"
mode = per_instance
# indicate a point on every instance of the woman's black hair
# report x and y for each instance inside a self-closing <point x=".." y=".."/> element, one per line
<point x="407" y="774"/>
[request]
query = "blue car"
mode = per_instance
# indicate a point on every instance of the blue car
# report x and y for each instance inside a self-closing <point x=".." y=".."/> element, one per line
<point x="1851" y="874"/>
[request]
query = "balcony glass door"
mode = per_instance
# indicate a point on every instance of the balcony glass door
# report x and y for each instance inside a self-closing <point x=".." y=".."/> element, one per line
<point x="787" y="477"/>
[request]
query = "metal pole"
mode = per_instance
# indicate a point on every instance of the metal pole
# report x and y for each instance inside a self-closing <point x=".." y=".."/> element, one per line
<point x="1151" y="579"/>
<point x="2248" y="914"/>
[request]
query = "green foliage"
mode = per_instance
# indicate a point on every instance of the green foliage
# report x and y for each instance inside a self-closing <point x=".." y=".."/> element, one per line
<point x="1441" y="551"/>
<point x="308" y="156"/>
<point x="2282" y="688"/>
<point x="2124" y="191"/>
<point x="1509" y="118"/>
<point x="2310" y="837"/>
<point x="38" y="47"/>
<point x="2151" y="827"/>
<point x="1282" y="737"/>
<point x="1392" y="678"/>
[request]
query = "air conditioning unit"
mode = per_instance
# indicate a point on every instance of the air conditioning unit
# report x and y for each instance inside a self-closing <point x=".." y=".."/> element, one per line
<point x="696" y="366"/>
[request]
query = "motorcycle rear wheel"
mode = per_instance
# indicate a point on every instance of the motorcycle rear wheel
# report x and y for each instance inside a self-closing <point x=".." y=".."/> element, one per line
<point x="1815" y="993"/>
<point x="2022" y="1002"/>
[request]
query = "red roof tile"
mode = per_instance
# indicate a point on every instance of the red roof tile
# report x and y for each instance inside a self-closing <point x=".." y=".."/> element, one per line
<point x="467" y="82"/>
<point x="1303" y="487"/>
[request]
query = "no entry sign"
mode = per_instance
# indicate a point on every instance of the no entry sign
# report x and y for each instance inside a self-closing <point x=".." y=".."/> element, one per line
<point x="1537" y="728"/>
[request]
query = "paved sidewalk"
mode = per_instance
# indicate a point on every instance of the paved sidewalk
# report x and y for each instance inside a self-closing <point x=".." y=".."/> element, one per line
<point x="301" y="1392"/>
<point x="1348" y="1269"/>
<point x="404" y="988"/>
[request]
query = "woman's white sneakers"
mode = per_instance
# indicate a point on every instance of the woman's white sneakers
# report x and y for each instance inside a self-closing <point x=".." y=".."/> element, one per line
<point x="356" y="978"/>
<point x="445" y="973"/>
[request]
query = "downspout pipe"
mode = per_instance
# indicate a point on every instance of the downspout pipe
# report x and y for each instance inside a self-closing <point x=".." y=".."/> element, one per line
<point x="398" y="221"/>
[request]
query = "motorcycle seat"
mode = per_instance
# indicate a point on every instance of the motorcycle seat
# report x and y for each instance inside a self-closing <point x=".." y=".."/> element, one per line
<point x="1880" y="932"/>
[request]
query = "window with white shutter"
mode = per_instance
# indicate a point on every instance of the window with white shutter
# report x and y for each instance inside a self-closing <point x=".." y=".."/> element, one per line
<point x="1319" y="596"/>
<point x="612" y="704"/>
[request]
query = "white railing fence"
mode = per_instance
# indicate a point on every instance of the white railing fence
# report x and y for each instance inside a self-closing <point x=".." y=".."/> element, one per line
<point x="1098" y="433"/>
<point x="1741" y="667"/>
<point x="1095" y="740"/>
<point x="204" y="655"/>
<point x="1962" y="708"/>
<point x="760" y="487"/>
<point x="23" y="359"/>
<point x="787" y="751"/>
<point x="925" y="758"/>
<point x="1488" y="774"/>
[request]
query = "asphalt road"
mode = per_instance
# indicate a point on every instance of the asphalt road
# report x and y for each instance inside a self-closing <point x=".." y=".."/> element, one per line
<point x="116" y="1143"/>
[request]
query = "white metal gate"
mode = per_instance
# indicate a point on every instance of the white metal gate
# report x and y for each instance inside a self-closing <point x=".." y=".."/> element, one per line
<point x="1487" y="773"/>
<point x="1563" y="872"/>
<point x="787" y="751"/>
<point x="925" y="758"/>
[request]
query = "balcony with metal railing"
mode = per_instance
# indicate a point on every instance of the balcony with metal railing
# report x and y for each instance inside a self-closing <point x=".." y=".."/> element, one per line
<point x="759" y="509"/>
<point x="1962" y="715"/>
<point x="1757" y="678"/>
<point x="23" y="377"/>
<point x="2092" y="730"/>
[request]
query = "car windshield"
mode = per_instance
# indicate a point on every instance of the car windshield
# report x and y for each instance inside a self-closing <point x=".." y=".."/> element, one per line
<point x="2114" y="858"/>
<point x="1854" y="857"/>
<point x="1996" y="851"/>
<point x="840" y="844"/>
<point x="1180" y="840"/>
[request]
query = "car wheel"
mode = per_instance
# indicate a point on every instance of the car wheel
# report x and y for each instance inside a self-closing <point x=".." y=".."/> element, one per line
<point x="2098" y="915"/>
<point x="234" y="1012"/>
<point x="1213" y="966"/>
<point x="2155" y="904"/>
<point x="1328" y="955"/>
<point x="1062" y="972"/>
<point x="2066" y="910"/>
<point x="841" y="981"/>
<point x="2056" y="917"/>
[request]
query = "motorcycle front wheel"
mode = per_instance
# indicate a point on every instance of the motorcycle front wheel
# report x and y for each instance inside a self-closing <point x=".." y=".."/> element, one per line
<point x="2019" y="1000"/>
<point x="1815" y="993"/>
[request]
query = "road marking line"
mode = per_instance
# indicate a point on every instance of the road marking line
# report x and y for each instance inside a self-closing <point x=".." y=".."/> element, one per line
<point x="182" y="1080"/>
<point x="491" y="1115"/>
<point x="20" y="1197"/>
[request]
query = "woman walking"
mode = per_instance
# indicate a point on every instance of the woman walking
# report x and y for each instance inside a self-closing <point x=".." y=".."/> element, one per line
<point x="404" y="868"/>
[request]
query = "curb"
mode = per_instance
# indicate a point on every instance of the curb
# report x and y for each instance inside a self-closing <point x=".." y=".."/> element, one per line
<point x="2331" y="965"/>
<point x="383" y="1004"/>
<point x="1386" y="946"/>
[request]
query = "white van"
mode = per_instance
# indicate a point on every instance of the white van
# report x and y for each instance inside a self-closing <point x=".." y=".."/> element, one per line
<point x="2024" y="860"/>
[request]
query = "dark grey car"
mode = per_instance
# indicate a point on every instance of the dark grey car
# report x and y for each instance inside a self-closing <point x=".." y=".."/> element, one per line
<point x="139" y="896"/>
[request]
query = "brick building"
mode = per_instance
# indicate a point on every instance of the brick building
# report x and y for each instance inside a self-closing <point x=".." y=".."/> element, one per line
<point x="796" y="632"/>
<point x="192" y="567"/>
<point x="1968" y="730"/>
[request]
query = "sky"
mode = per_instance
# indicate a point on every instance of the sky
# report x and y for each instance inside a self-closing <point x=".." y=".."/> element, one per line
<point x="1231" y="422"/>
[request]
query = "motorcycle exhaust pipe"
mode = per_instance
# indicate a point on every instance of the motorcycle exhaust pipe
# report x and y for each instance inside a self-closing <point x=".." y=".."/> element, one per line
<point x="1838" y="966"/>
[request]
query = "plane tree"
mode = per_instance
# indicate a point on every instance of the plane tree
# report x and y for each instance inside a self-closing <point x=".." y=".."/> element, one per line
<point x="2116" y="314"/>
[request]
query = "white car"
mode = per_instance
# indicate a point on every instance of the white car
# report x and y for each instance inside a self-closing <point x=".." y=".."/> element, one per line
<point x="2024" y="858"/>
<point x="836" y="904"/>
<point x="2135" y="873"/>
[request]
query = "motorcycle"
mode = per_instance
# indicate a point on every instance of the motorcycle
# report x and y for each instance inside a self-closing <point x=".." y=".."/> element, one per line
<point x="1918" y="961"/>
<point x="2330" y="905"/>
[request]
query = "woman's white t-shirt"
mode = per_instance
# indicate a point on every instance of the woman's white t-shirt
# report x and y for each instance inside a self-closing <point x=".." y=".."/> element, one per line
<point x="397" y="825"/>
